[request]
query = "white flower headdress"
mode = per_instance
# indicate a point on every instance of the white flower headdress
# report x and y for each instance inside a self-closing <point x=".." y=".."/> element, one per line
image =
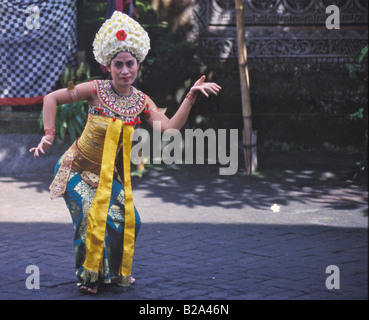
<point x="120" y="33"/>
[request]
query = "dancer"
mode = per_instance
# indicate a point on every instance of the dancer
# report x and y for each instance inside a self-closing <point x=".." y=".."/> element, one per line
<point x="93" y="175"/>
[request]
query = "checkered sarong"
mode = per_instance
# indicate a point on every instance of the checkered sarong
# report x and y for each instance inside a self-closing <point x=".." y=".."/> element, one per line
<point x="34" y="53"/>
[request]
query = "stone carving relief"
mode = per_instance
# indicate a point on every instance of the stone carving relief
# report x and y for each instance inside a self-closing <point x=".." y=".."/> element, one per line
<point x="281" y="28"/>
<point x="221" y="12"/>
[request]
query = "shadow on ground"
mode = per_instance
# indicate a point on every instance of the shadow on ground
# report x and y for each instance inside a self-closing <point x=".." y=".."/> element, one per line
<point x="318" y="177"/>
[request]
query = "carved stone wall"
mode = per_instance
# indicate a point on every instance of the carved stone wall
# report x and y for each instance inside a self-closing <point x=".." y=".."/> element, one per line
<point x="300" y="88"/>
<point x="293" y="29"/>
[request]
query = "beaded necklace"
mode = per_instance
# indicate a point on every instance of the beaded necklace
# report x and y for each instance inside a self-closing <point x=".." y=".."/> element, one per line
<point x="112" y="104"/>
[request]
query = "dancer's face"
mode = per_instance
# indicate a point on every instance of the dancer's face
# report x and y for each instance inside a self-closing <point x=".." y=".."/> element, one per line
<point x="123" y="68"/>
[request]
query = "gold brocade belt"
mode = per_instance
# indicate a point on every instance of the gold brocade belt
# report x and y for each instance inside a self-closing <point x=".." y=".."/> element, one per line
<point x="97" y="215"/>
<point x="74" y="159"/>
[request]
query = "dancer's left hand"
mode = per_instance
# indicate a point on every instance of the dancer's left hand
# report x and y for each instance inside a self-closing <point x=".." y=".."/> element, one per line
<point x="205" y="87"/>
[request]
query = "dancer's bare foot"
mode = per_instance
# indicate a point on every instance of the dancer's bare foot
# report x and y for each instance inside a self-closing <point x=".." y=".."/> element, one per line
<point x="92" y="290"/>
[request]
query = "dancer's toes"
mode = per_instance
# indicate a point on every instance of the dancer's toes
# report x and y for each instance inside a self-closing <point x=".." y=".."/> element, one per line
<point x="85" y="289"/>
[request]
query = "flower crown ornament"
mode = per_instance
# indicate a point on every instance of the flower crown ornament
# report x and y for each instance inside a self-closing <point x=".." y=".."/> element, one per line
<point x="120" y="33"/>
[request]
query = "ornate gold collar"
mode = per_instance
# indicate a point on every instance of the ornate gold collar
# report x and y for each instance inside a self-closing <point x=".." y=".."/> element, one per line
<point x="126" y="106"/>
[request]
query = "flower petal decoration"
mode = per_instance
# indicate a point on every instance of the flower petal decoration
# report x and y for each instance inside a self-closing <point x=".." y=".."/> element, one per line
<point x="121" y="35"/>
<point x="275" y="208"/>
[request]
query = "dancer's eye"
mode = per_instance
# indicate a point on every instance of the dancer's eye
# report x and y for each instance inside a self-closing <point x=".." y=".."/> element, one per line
<point x="118" y="64"/>
<point x="130" y="63"/>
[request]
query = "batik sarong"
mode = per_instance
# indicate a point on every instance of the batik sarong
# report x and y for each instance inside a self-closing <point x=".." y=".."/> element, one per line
<point x="78" y="197"/>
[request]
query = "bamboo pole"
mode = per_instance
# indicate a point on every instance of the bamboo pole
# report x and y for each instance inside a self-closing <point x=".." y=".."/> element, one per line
<point x="245" y="86"/>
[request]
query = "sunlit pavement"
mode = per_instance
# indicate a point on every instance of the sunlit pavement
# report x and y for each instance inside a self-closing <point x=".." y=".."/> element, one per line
<point x="203" y="236"/>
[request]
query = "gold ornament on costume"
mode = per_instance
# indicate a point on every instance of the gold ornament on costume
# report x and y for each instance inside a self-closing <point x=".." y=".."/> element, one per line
<point x="114" y="105"/>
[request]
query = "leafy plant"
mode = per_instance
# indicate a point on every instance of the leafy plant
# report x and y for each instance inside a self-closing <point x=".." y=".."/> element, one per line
<point x="171" y="56"/>
<point x="359" y="65"/>
<point x="71" y="118"/>
<point x="78" y="74"/>
<point x="357" y="115"/>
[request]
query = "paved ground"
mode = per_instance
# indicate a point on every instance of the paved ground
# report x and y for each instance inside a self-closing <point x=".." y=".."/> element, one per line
<point x="205" y="236"/>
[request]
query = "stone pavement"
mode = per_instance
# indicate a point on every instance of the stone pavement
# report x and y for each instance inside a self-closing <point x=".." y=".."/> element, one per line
<point x="205" y="236"/>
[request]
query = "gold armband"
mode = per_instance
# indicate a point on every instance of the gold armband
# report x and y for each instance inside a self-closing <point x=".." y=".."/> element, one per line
<point x="149" y="113"/>
<point x="73" y="92"/>
<point x="50" y="132"/>
<point x="191" y="98"/>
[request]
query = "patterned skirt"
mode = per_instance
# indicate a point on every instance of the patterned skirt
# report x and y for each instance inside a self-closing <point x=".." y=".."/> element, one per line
<point x="78" y="198"/>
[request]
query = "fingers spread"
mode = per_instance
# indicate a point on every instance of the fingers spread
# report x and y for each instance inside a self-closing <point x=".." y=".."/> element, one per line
<point x="206" y="87"/>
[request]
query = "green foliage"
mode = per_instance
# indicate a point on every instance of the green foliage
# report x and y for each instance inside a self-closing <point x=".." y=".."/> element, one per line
<point x="170" y="58"/>
<point x="78" y="74"/>
<point x="172" y="64"/>
<point x="359" y="65"/>
<point x="145" y="14"/>
<point x="357" y="115"/>
<point x="71" y="118"/>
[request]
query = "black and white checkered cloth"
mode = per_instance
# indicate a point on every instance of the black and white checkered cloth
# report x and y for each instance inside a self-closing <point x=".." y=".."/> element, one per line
<point x="37" y="40"/>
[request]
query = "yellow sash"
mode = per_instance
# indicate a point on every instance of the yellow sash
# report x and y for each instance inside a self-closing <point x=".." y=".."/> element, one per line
<point x="98" y="212"/>
<point x="129" y="218"/>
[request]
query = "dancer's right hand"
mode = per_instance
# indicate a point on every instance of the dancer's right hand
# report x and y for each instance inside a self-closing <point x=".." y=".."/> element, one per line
<point x="45" y="142"/>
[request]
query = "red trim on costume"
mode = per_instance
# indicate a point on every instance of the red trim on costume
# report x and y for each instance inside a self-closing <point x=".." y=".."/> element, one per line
<point x="21" y="101"/>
